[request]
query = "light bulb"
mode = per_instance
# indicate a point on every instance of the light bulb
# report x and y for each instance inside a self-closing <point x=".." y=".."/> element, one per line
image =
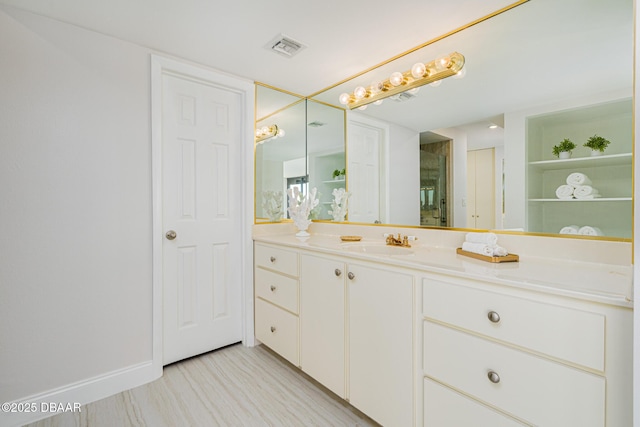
<point x="443" y="62"/>
<point x="418" y="70"/>
<point x="460" y="74"/>
<point x="258" y="133"/>
<point x="378" y="102"/>
<point x="344" y="98"/>
<point x="414" y="90"/>
<point x="396" y="78"/>
<point x="265" y="130"/>
<point x="362" y="107"/>
<point x="360" y="92"/>
<point x="280" y="132"/>
<point x="436" y="83"/>
<point x="376" y="87"/>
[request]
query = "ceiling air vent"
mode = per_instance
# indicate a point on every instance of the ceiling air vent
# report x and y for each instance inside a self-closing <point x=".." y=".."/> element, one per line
<point x="285" y="46"/>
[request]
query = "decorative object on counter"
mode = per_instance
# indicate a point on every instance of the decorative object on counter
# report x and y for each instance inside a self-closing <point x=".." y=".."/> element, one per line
<point x="484" y="246"/>
<point x="337" y="174"/>
<point x="300" y="207"/>
<point x="272" y="204"/>
<point x="597" y="144"/>
<point x="563" y="149"/>
<point x="350" y="238"/>
<point x="339" y="204"/>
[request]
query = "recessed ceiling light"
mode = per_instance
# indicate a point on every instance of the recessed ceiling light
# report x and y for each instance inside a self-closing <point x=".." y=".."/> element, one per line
<point x="493" y="126"/>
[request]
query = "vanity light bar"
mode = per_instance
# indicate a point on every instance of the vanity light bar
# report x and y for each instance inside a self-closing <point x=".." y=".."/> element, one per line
<point x="267" y="132"/>
<point x="419" y="75"/>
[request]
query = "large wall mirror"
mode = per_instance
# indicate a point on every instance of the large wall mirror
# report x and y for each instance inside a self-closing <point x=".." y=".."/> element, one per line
<point x="299" y="143"/>
<point x="477" y="152"/>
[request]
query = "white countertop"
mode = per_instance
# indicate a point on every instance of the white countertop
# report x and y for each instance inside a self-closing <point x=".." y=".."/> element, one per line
<point x="605" y="283"/>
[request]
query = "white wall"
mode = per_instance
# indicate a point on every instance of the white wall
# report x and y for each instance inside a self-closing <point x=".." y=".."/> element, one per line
<point x="75" y="174"/>
<point x="403" y="176"/>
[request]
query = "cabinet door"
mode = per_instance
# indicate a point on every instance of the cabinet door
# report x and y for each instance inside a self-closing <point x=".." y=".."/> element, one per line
<point x="322" y="326"/>
<point x="380" y="344"/>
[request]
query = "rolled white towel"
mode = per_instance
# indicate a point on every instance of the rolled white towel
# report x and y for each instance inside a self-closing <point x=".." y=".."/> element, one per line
<point x="565" y="191"/>
<point x="500" y="251"/>
<point x="487" y="238"/>
<point x="586" y="192"/>
<point x="570" y="229"/>
<point x="478" y="248"/>
<point x="587" y="230"/>
<point x="578" y="178"/>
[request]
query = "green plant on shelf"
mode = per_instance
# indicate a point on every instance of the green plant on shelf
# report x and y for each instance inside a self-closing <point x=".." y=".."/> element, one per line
<point x="565" y="146"/>
<point x="339" y="173"/>
<point x="597" y="143"/>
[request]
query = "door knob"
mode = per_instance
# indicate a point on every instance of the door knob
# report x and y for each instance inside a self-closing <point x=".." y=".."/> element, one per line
<point x="351" y="276"/>
<point x="171" y="235"/>
<point x="493" y="377"/>
<point x="338" y="272"/>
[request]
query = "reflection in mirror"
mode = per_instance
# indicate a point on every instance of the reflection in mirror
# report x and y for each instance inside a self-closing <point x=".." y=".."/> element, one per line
<point x="309" y="153"/>
<point x="279" y="161"/>
<point x="537" y="74"/>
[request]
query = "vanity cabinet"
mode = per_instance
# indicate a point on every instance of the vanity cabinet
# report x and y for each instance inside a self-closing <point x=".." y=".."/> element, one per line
<point x="322" y="321"/>
<point x="610" y="173"/>
<point x="276" y="300"/>
<point x="523" y="358"/>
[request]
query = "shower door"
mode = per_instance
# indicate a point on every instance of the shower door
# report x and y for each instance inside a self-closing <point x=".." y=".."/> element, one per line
<point x="434" y="184"/>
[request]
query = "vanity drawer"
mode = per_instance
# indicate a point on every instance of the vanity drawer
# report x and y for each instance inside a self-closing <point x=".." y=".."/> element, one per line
<point x="444" y="407"/>
<point x="529" y="387"/>
<point x="565" y="333"/>
<point x="278" y="289"/>
<point x="280" y="260"/>
<point x="277" y="329"/>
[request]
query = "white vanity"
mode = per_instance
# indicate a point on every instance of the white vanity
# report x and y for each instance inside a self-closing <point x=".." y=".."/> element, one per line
<point x="426" y="337"/>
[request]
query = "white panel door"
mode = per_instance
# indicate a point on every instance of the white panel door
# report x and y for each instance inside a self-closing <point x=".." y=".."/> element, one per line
<point x="363" y="174"/>
<point x="201" y="201"/>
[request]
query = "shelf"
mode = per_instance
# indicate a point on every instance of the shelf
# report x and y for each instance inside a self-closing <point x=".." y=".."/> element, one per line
<point x="601" y="199"/>
<point x="335" y="181"/>
<point x="606" y="160"/>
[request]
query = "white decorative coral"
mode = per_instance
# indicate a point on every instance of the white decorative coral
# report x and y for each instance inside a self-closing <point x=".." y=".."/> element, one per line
<point x="272" y="204"/>
<point x="339" y="204"/>
<point x="300" y="207"/>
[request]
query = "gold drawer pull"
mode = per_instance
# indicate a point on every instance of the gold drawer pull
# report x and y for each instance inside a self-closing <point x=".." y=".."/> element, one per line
<point x="273" y="329"/>
<point x="272" y="259"/>
<point x="273" y="288"/>
<point x="493" y="316"/>
<point x="493" y="377"/>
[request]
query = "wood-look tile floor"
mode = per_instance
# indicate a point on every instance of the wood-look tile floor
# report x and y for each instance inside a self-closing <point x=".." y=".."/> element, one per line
<point x="233" y="386"/>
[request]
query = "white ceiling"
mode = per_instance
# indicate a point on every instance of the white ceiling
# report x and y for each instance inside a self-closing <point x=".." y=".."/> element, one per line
<point x="343" y="37"/>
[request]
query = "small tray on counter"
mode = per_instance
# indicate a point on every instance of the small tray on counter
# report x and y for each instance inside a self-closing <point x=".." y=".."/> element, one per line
<point x="350" y="238"/>
<point x="494" y="259"/>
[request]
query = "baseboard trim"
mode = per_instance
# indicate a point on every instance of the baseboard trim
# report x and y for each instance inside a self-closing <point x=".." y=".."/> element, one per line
<point x="82" y="392"/>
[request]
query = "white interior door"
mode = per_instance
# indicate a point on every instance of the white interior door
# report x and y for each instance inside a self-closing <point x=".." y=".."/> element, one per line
<point x="201" y="133"/>
<point x="363" y="174"/>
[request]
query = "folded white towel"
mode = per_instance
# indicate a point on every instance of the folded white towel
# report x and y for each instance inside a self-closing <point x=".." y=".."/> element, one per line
<point x="578" y="178"/>
<point x="565" y="191"/>
<point x="478" y="248"/>
<point x="585" y="191"/>
<point x="570" y="229"/>
<point x="487" y="238"/>
<point x="590" y="231"/>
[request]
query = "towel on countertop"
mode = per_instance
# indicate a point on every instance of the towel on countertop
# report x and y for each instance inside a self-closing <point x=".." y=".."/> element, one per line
<point x="565" y="191"/>
<point x="585" y="192"/>
<point x="590" y="231"/>
<point x="577" y="178"/>
<point x="484" y="249"/>
<point x="570" y="229"/>
<point x="489" y="239"/>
